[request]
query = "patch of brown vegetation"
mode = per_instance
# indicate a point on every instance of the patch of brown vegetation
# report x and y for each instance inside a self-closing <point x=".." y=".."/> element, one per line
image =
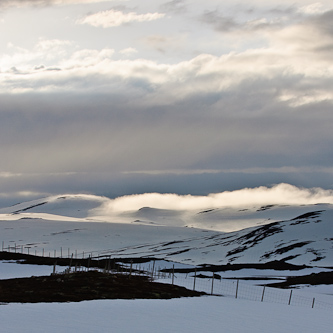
<point x="89" y="285"/>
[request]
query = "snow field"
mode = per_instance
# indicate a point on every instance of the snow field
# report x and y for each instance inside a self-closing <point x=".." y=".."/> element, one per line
<point x="192" y="315"/>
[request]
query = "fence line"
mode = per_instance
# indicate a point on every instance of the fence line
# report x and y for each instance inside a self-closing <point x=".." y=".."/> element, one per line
<point x="241" y="290"/>
<point x="210" y="285"/>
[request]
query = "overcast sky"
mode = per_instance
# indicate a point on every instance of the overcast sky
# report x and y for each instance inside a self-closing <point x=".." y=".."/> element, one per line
<point x="121" y="97"/>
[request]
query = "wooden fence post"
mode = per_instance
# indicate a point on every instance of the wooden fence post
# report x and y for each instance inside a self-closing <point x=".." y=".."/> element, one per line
<point x="54" y="267"/>
<point x="211" y="292"/>
<point x="70" y="262"/>
<point x="313" y="302"/>
<point x="291" y="293"/>
<point x="263" y="293"/>
<point x="173" y="274"/>
<point x="195" y="276"/>
<point x="237" y="288"/>
<point x="89" y="258"/>
<point x="152" y="271"/>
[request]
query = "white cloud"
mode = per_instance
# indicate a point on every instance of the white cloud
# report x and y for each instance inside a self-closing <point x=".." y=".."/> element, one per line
<point x="278" y="194"/>
<point x="302" y="98"/>
<point x="128" y="51"/>
<point x="312" y="9"/>
<point x="50" y="67"/>
<point x="22" y="195"/>
<point x="54" y="45"/>
<point x="9" y="175"/>
<point x="41" y="3"/>
<point x="115" y="18"/>
<point x="296" y="62"/>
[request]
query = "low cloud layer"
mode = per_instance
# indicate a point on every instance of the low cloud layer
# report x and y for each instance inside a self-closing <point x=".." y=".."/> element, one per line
<point x="277" y="195"/>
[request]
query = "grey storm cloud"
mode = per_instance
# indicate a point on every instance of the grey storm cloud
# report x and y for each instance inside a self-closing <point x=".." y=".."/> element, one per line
<point x="102" y="133"/>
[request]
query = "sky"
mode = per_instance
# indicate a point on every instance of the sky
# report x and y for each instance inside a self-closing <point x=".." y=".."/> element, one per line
<point x="187" y="97"/>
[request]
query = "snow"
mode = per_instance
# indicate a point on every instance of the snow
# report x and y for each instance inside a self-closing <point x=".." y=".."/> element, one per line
<point x="65" y="225"/>
<point x="70" y="224"/>
<point x="10" y="270"/>
<point x="81" y="207"/>
<point x="204" y="314"/>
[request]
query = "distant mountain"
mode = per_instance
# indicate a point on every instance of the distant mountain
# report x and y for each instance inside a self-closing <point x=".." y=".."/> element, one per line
<point x="301" y="234"/>
<point x="306" y="239"/>
<point x="67" y="205"/>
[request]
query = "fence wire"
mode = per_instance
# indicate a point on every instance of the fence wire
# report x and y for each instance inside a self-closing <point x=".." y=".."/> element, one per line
<point x="217" y="286"/>
<point x="242" y="290"/>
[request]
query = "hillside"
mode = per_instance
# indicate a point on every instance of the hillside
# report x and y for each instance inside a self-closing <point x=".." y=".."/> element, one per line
<point x="298" y="234"/>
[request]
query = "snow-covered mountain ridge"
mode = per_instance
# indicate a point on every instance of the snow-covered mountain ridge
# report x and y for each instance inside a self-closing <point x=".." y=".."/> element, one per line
<point x="299" y="234"/>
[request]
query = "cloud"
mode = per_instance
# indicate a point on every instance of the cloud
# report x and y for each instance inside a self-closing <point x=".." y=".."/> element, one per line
<point x="260" y="20"/>
<point x="255" y="170"/>
<point x="294" y="73"/>
<point x="4" y="4"/>
<point x="224" y="23"/>
<point x="278" y="195"/>
<point x="128" y="51"/>
<point x="292" y="68"/>
<point x="9" y="175"/>
<point x="219" y="21"/>
<point x="115" y="18"/>
<point x="174" y="6"/>
<point x="164" y="43"/>
<point x="260" y="110"/>
<point x="22" y="195"/>
<point x="312" y="9"/>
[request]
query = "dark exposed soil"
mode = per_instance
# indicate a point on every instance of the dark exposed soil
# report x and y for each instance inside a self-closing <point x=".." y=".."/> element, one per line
<point x="275" y="265"/>
<point x="109" y="263"/>
<point x="285" y="249"/>
<point x="89" y="285"/>
<point x="312" y="279"/>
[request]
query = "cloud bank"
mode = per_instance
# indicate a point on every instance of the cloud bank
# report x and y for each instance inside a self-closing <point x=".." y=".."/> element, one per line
<point x="279" y="194"/>
<point x="295" y="67"/>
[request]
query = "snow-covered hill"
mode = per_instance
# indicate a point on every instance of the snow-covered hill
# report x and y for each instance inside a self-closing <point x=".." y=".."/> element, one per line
<point x="299" y="234"/>
<point x="68" y="205"/>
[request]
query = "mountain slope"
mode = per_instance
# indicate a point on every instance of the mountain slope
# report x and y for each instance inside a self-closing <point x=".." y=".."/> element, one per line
<point x="296" y="234"/>
<point x="67" y="205"/>
<point x="306" y="239"/>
